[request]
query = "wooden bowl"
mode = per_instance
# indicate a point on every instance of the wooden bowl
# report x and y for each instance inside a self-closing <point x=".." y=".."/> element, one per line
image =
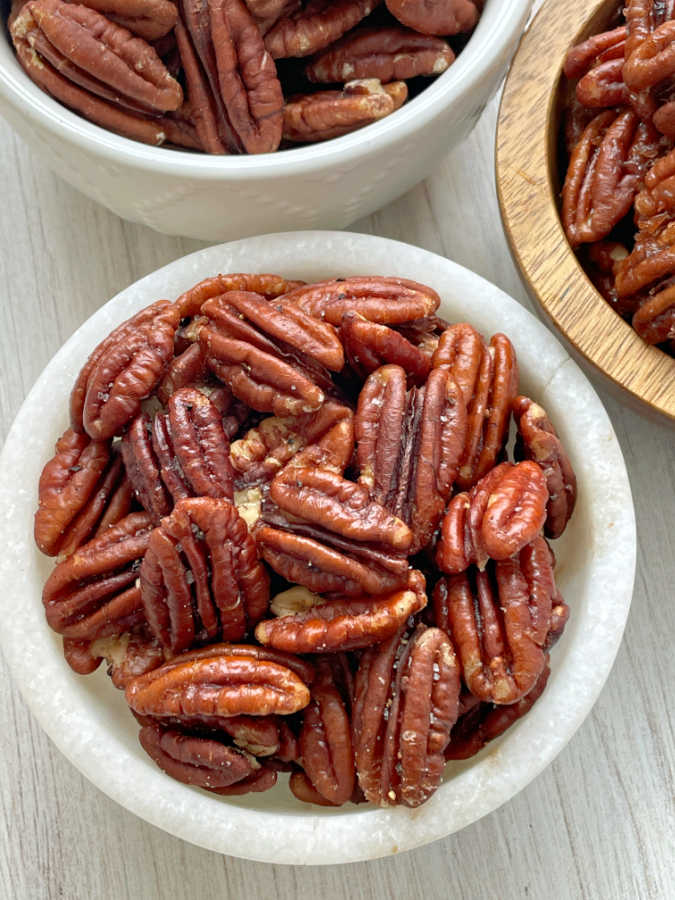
<point x="528" y="184"/>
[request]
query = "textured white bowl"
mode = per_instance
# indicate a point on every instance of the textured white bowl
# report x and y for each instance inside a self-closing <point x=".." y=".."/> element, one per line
<point x="328" y="185"/>
<point x="87" y="718"/>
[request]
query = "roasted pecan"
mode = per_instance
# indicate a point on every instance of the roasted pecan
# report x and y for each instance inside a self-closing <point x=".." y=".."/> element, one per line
<point x="149" y="19"/>
<point x="654" y="319"/>
<point x="325" y="744"/>
<point x="122" y="371"/>
<point x="644" y="19"/>
<point x="369" y="345"/>
<point x="319" y="24"/>
<point x="82" y="491"/>
<point x="303" y="789"/>
<point x="499" y="621"/>
<point x="201" y="579"/>
<point x="329" y="114"/>
<point x="209" y="689"/>
<point x="390" y="301"/>
<point x="128" y="655"/>
<point x="537" y="440"/>
<point x="143" y="468"/>
<point x="388" y="54"/>
<point x="303" y="669"/>
<point x="92" y="593"/>
<point x="484" y="722"/>
<point x="595" y="50"/>
<point x="345" y="624"/>
<point x="603" y="86"/>
<point x="497" y="518"/>
<point x="406" y="702"/>
<point x="409" y="446"/>
<point x="186" y="369"/>
<point x="79" y="657"/>
<point x="461" y="349"/>
<point x="268" y="286"/>
<point x="604" y="174"/>
<point x="436" y="16"/>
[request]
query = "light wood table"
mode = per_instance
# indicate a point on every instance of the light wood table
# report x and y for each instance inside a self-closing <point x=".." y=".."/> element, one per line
<point x="598" y="823"/>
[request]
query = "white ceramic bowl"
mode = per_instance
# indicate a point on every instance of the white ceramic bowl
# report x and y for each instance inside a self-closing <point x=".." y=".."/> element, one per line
<point x="87" y="717"/>
<point x="328" y="185"/>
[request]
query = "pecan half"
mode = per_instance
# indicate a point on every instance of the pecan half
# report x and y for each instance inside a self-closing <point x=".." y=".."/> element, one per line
<point x="369" y="345"/>
<point x="325" y="745"/>
<point x="406" y="702"/>
<point x="499" y="621"/>
<point x="186" y="369"/>
<point x="651" y="261"/>
<point x="143" y="468"/>
<point x="595" y="50"/>
<point x="388" y="54"/>
<point x="653" y="60"/>
<point x="436" y="16"/>
<point x="149" y="19"/>
<point x="92" y="593"/>
<point x="268" y="286"/>
<point x="409" y="446"/>
<point x="79" y="657"/>
<point x="200" y="578"/>
<point x="128" y="655"/>
<point x="345" y="624"/>
<point x="122" y="371"/>
<point x="319" y="24"/>
<point x="390" y="301"/>
<point x="537" y="440"/>
<point x="82" y="491"/>
<point x="654" y="319"/>
<point x="497" y="518"/>
<point x="323" y="115"/>
<point x="460" y="349"/>
<point x="303" y="669"/>
<point x="604" y="86"/>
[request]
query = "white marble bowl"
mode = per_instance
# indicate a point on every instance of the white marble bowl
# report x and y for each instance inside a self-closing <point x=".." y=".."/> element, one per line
<point x="328" y="185"/>
<point x="87" y="718"/>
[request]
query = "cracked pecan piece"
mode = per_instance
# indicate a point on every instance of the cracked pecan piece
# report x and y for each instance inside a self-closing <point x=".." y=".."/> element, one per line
<point x="345" y="624"/>
<point x="537" y="440"/>
<point x="316" y="26"/>
<point x="436" y="16"/>
<point x="200" y="578"/>
<point x="149" y="19"/>
<point x="123" y="371"/>
<point x="369" y="345"/>
<point x="82" y="491"/>
<point x="499" y="621"/>
<point x="388" y="54"/>
<point x="406" y="702"/>
<point x="409" y="445"/>
<point x="93" y="592"/>
<point x="500" y="515"/>
<point x="269" y="286"/>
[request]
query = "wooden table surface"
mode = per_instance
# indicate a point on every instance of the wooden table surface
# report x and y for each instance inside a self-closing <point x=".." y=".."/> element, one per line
<point x="598" y="823"/>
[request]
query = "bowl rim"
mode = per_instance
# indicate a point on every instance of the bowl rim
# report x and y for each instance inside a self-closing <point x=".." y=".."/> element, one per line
<point x="555" y="278"/>
<point x="59" y="700"/>
<point x="497" y="29"/>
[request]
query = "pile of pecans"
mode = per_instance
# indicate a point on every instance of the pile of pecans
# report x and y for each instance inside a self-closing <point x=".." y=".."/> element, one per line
<point x="284" y="515"/>
<point x="236" y="76"/>
<point x="618" y="200"/>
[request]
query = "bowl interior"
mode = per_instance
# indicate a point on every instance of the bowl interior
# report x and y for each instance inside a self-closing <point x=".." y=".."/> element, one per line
<point x="87" y="717"/>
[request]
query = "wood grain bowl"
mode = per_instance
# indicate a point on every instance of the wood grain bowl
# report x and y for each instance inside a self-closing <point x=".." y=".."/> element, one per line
<point x="528" y="186"/>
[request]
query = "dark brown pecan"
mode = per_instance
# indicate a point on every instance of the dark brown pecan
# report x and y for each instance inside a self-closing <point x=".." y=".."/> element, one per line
<point x="82" y="491"/>
<point x="369" y="345"/>
<point x="484" y="722"/>
<point x="345" y="624"/>
<point x="388" y="54"/>
<point x="654" y="319"/>
<point x="268" y="286"/>
<point x="122" y="371"/>
<point x="538" y="440"/>
<point x="656" y="201"/>
<point x="499" y="621"/>
<point x="390" y="301"/>
<point x="319" y="24"/>
<point x="604" y="173"/>
<point x="407" y="694"/>
<point x="323" y="115"/>
<point x="497" y="518"/>
<point x="143" y="468"/>
<point x="325" y="745"/>
<point x="409" y="446"/>
<point x="200" y="578"/>
<point x="208" y="115"/>
<point x="184" y="370"/>
<point x="595" y="50"/>
<point x="436" y="16"/>
<point x="212" y="688"/>
<point x="149" y="19"/>
<point x="92" y="593"/>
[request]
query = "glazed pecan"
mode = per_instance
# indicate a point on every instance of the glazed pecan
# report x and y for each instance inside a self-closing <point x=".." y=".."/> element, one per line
<point x="209" y="689"/>
<point x="82" y="491"/>
<point x="406" y="702"/>
<point x="436" y="16"/>
<point x="200" y="578"/>
<point x="268" y="286"/>
<point x="656" y="202"/>
<point x="603" y="86"/>
<point x="318" y="25"/>
<point x="653" y="61"/>
<point x="328" y="114"/>
<point x="651" y="262"/>
<point x="389" y="301"/>
<point x="497" y="518"/>
<point x="499" y="621"/>
<point x="369" y="345"/>
<point x="149" y="19"/>
<point x="537" y="440"/>
<point x="272" y="357"/>
<point x="345" y="624"/>
<point x="654" y="319"/>
<point x="388" y="54"/>
<point x="325" y="745"/>
<point x="409" y="446"/>
<point x="597" y="49"/>
<point x="122" y="371"/>
<point x="484" y="721"/>
<point x="92" y="593"/>
<point x="604" y="174"/>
